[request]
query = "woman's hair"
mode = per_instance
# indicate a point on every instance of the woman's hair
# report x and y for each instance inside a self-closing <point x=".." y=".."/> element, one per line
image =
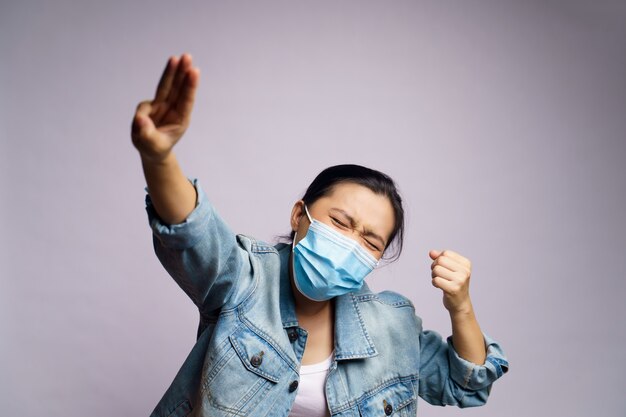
<point x="376" y="181"/>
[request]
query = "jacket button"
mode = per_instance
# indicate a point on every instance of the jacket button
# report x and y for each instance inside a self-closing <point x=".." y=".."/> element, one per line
<point x="388" y="409"/>
<point x="293" y="386"/>
<point x="293" y="335"/>
<point x="256" y="361"/>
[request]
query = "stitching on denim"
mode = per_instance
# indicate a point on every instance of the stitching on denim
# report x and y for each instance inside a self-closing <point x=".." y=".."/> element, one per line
<point x="388" y="383"/>
<point x="350" y="403"/>
<point x="269" y="340"/>
<point x="369" y="297"/>
<point x="217" y="367"/>
<point x="183" y="405"/>
<point x="368" y="394"/>
<point x="497" y="363"/>
<point x="258" y="247"/>
<point x="243" y="307"/>
<point x="371" y="349"/>
<point x="257" y="394"/>
<point x="237" y="409"/>
<point x="243" y="358"/>
<point x="231" y="410"/>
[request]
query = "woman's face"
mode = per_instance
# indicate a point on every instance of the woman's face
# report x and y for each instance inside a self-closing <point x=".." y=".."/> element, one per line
<point x="353" y="210"/>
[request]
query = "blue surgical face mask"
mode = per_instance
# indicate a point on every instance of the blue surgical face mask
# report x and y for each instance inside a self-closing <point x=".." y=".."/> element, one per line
<point x="327" y="264"/>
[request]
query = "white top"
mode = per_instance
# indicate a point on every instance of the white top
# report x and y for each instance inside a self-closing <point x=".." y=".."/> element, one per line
<point x="311" y="399"/>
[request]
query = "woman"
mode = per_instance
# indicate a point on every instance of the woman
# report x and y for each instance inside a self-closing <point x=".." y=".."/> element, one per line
<point x="293" y="330"/>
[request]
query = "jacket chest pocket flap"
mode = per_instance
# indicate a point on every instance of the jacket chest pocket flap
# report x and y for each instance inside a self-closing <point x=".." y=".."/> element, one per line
<point x="396" y="399"/>
<point x="246" y="368"/>
<point x="257" y="355"/>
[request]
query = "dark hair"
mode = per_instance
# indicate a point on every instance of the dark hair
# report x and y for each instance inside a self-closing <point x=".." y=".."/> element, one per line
<point x="376" y="181"/>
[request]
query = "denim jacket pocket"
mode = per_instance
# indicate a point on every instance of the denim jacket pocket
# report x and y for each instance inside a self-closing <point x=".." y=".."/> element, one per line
<point x="243" y="372"/>
<point x="396" y="399"/>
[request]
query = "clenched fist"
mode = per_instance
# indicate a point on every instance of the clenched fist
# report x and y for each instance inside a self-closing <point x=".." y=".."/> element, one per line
<point x="451" y="273"/>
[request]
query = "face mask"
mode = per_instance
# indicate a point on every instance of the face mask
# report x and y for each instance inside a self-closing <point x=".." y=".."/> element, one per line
<point x="327" y="264"/>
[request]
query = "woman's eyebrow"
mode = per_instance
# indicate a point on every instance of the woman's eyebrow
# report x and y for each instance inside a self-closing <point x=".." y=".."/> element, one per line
<point x="366" y="231"/>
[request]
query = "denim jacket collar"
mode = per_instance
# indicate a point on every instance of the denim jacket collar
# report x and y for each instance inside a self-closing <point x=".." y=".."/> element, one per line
<point x="352" y="339"/>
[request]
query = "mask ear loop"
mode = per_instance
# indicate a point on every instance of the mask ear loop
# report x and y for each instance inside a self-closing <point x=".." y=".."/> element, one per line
<point x="306" y="210"/>
<point x="295" y="233"/>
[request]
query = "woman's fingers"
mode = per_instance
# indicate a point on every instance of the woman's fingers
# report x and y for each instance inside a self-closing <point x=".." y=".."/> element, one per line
<point x="142" y="122"/>
<point x="165" y="83"/>
<point x="175" y="94"/>
<point x="144" y="108"/>
<point x="142" y="116"/>
<point x="179" y="76"/>
<point x="158" y="124"/>
<point x="186" y="98"/>
<point x="441" y="283"/>
<point x="456" y="256"/>
<point x="445" y="273"/>
<point x="451" y="264"/>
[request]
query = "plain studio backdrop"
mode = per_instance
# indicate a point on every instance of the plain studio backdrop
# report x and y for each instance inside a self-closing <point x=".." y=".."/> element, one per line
<point x="503" y="123"/>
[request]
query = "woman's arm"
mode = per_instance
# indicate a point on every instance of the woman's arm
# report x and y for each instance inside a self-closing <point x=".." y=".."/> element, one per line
<point x="157" y="126"/>
<point x="173" y="196"/>
<point x="460" y="370"/>
<point x="451" y="273"/>
<point x="191" y="240"/>
<point x="467" y="337"/>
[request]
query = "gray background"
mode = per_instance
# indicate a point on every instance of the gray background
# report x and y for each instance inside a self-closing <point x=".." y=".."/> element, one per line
<point x="502" y="122"/>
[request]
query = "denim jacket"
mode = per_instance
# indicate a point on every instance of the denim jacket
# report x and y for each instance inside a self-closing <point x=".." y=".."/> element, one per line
<point x="249" y="346"/>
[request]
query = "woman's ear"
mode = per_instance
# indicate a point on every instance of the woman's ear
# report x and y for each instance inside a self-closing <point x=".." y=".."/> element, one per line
<point x="296" y="214"/>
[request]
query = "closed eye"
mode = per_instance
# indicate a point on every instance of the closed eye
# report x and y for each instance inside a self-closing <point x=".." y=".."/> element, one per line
<point x="345" y="226"/>
<point x="371" y="245"/>
<point x="339" y="223"/>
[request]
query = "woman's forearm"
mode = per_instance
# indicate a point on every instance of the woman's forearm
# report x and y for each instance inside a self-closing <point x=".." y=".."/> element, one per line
<point x="467" y="337"/>
<point x="172" y="194"/>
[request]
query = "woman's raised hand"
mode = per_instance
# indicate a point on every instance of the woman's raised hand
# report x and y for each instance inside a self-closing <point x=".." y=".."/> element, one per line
<point x="160" y="123"/>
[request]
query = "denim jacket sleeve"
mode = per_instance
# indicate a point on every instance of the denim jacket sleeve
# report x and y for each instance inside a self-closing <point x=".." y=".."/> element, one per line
<point x="448" y="379"/>
<point x="201" y="254"/>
